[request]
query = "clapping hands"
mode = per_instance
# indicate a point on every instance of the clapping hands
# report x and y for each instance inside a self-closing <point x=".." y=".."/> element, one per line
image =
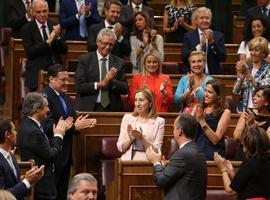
<point x="134" y="133"/>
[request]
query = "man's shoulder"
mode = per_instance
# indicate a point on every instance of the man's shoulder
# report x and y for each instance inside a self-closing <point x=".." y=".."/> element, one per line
<point x="253" y="11"/>
<point x="97" y="27"/>
<point x="191" y="34"/>
<point x="147" y="8"/>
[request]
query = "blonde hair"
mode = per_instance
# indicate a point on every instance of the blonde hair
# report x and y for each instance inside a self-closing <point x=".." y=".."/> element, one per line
<point x="261" y="43"/>
<point x="155" y="53"/>
<point x="196" y="53"/>
<point x="6" y="195"/>
<point x="148" y="94"/>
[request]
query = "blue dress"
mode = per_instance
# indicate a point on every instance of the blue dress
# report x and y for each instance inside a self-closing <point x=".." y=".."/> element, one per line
<point x="204" y="143"/>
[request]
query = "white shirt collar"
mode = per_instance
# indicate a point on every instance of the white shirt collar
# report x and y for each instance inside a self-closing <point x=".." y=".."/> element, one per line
<point x="100" y="56"/>
<point x="5" y="153"/>
<point x="182" y="145"/>
<point x="134" y="5"/>
<point x="39" y="24"/>
<point x="55" y="91"/>
<point x="107" y="24"/>
<point x="37" y="122"/>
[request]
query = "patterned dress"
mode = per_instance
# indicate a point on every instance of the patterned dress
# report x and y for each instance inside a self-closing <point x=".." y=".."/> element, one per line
<point x="174" y="14"/>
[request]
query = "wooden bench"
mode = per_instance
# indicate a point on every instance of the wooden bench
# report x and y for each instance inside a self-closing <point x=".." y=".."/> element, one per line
<point x="76" y="48"/>
<point x="134" y="180"/>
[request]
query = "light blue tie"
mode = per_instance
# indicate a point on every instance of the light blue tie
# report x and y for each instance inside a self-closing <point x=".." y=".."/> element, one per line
<point x="64" y="105"/>
<point x="83" y="29"/>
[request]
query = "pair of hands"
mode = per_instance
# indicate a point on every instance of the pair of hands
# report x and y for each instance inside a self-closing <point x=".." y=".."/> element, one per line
<point x="54" y="34"/>
<point x="149" y="36"/>
<point x="154" y="157"/>
<point x="111" y="74"/>
<point x="84" y="9"/>
<point x="199" y="114"/>
<point x="222" y="163"/>
<point x="207" y="35"/>
<point x="242" y="70"/>
<point x="162" y="88"/>
<point x="80" y="123"/>
<point x="134" y="133"/>
<point x="34" y="174"/>
<point x="179" y="22"/>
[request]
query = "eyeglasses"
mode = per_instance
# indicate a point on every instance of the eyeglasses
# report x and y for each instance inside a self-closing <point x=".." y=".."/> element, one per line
<point x="106" y="43"/>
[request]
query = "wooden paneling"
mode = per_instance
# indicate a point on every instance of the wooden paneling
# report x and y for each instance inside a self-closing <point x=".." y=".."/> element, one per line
<point x="134" y="180"/>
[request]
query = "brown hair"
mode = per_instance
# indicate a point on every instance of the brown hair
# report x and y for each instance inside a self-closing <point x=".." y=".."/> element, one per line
<point x="108" y="3"/>
<point x="256" y="142"/>
<point x="136" y="32"/>
<point x="266" y="94"/>
<point x="148" y="94"/>
<point x="219" y="88"/>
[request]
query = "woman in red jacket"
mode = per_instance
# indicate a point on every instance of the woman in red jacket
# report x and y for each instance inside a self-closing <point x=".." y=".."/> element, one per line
<point x="152" y="78"/>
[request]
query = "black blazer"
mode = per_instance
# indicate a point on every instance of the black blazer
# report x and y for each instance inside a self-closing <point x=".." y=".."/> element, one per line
<point x="185" y="177"/>
<point x="39" y="54"/>
<point x="33" y="145"/>
<point x="57" y="111"/>
<point x="127" y="19"/>
<point x="9" y="181"/>
<point x="87" y="74"/>
<point x="16" y="16"/>
<point x="215" y="55"/>
<point x="120" y="49"/>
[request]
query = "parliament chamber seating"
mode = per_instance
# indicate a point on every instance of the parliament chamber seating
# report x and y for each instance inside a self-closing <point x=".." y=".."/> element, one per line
<point x="219" y="195"/>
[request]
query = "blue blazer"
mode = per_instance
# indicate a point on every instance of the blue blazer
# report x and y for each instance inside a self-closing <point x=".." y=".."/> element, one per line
<point x="216" y="52"/>
<point x="9" y="181"/>
<point x="68" y="20"/>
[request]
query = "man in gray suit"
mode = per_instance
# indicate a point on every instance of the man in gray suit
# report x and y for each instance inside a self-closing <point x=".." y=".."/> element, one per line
<point x="100" y="77"/>
<point x="185" y="176"/>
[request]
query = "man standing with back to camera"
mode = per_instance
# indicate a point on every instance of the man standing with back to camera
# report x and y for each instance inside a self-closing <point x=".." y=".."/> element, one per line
<point x="185" y="176"/>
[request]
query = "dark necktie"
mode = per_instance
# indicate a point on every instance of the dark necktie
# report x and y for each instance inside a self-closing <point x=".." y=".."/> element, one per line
<point x="110" y="27"/>
<point x="105" y="99"/>
<point x="44" y="135"/>
<point x="44" y="33"/>
<point x="64" y="105"/>
<point x="137" y="7"/>
<point x="27" y="2"/>
<point x="265" y="12"/>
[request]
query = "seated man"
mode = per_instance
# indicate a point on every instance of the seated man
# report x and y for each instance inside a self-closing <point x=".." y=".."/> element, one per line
<point x="207" y="40"/>
<point x="9" y="170"/>
<point x="83" y="186"/>
<point x="100" y="77"/>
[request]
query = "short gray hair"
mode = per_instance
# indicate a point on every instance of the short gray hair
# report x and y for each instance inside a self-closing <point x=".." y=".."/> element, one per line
<point x="202" y="10"/>
<point x="73" y="186"/>
<point x="105" y="31"/>
<point x="41" y="1"/>
<point x="32" y="102"/>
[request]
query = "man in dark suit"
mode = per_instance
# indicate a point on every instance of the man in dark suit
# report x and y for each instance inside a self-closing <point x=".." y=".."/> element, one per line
<point x="185" y="176"/>
<point x="100" y="77"/>
<point x="112" y="13"/>
<point x="35" y="145"/>
<point x="41" y="43"/>
<point x="61" y="105"/>
<point x="76" y="16"/>
<point x="207" y="40"/>
<point x="19" y="13"/>
<point x="9" y="170"/>
<point x="261" y="10"/>
<point x="128" y="11"/>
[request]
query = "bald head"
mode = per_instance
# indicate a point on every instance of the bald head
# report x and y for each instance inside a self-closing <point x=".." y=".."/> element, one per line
<point x="40" y="10"/>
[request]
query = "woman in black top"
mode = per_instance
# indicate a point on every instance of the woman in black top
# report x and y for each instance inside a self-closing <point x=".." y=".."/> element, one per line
<point x="258" y="116"/>
<point x="252" y="180"/>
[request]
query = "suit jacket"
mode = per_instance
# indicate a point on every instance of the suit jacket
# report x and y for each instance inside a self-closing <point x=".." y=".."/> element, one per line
<point x="39" y="54"/>
<point x="9" y="181"/>
<point x="34" y="145"/>
<point x="216" y="51"/>
<point x="120" y="49"/>
<point x="185" y="177"/>
<point x="57" y="111"/>
<point x="153" y="132"/>
<point x="87" y="74"/>
<point x="16" y="16"/>
<point x="68" y="20"/>
<point x="127" y="19"/>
